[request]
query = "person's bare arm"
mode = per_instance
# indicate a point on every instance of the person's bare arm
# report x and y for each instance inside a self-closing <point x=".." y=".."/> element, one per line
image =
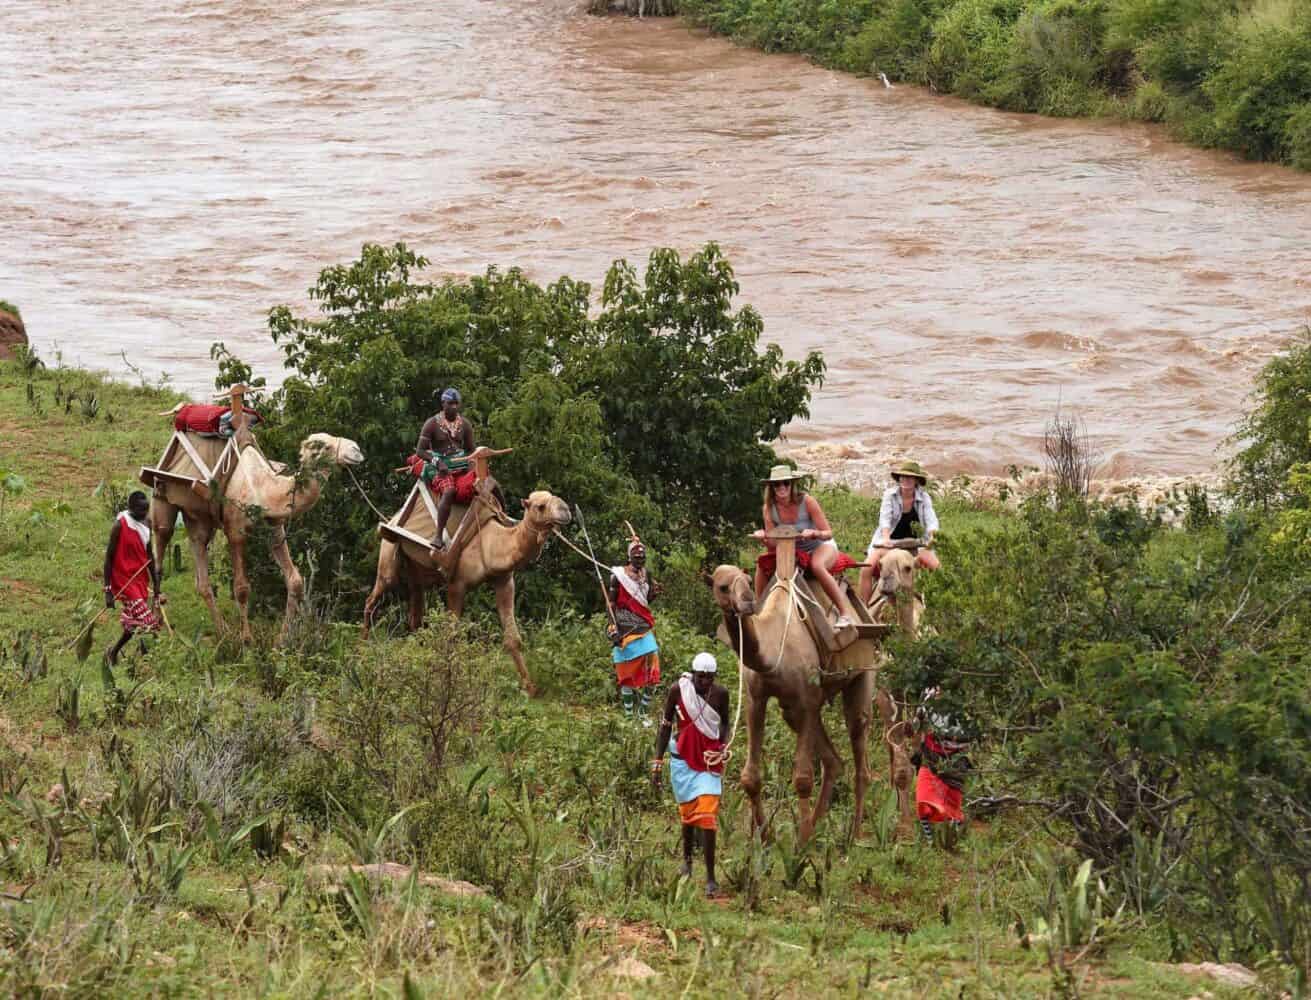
<point x="109" y="562"/>
<point x="468" y="436"/>
<point x="719" y="701"/>
<point x="821" y="529"/>
<point x="662" y="737"/>
<point x="424" y="448"/>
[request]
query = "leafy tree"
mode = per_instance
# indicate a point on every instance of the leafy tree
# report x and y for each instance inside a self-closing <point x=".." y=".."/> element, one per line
<point x="657" y="410"/>
<point x="689" y="398"/>
<point x="1274" y="433"/>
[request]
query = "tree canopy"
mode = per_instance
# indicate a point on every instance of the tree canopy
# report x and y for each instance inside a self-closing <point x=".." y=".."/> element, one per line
<point x="658" y="409"/>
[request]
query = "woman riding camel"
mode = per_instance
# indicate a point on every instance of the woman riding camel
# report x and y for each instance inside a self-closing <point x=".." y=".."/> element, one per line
<point x="904" y="505"/>
<point x="785" y="503"/>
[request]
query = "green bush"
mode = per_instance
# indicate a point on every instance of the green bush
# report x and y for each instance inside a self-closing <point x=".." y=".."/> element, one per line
<point x="1273" y="434"/>
<point x="656" y="410"/>
<point x="1142" y="686"/>
<point x="1262" y="84"/>
<point x="1229" y="73"/>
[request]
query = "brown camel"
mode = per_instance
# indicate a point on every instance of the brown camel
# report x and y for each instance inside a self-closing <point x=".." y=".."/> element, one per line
<point x="782" y="662"/>
<point x="257" y="489"/>
<point x="495" y="552"/>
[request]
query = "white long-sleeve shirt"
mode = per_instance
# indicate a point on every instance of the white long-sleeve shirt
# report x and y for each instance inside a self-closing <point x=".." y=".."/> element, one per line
<point x="890" y="512"/>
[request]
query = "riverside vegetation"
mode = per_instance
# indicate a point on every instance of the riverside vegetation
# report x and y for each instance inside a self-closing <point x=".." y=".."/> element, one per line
<point x="1232" y="74"/>
<point x="186" y="824"/>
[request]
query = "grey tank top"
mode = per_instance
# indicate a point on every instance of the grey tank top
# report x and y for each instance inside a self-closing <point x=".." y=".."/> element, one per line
<point x="802" y="522"/>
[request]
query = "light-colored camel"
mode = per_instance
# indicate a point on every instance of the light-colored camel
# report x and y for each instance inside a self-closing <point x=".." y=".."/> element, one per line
<point x="493" y="556"/>
<point x="896" y="590"/>
<point x="783" y="662"/>
<point x="257" y="490"/>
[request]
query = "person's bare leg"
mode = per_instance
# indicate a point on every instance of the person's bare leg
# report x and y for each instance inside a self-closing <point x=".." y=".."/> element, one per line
<point x="762" y="581"/>
<point x="712" y="887"/>
<point x="443" y="514"/>
<point x="689" y="845"/>
<point x="819" y="569"/>
<point x="117" y="648"/>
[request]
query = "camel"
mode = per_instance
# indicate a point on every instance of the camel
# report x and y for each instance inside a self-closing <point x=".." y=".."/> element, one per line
<point x="897" y="577"/>
<point x="499" y="548"/>
<point x="782" y="662"/>
<point x="256" y="489"/>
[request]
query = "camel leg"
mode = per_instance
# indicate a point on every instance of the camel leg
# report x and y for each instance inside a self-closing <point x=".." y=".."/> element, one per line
<point x="386" y="579"/>
<point x="831" y="765"/>
<point x="504" y="588"/>
<point x="241" y="585"/>
<point x="856" y="709"/>
<point x="802" y="722"/>
<point x="899" y="769"/>
<point x="751" y="781"/>
<point x="291" y="576"/>
<point x="418" y="603"/>
<point x="199" y="534"/>
<point x="163" y="520"/>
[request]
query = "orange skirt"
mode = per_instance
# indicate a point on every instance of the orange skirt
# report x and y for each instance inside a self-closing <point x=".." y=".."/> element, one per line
<point x="935" y="800"/>
<point x="702" y="811"/>
<point x="643" y="671"/>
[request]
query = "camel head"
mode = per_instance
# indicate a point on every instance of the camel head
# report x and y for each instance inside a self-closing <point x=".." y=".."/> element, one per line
<point x="732" y="591"/>
<point x="321" y="450"/>
<point x="544" y="511"/>
<point x="896" y="573"/>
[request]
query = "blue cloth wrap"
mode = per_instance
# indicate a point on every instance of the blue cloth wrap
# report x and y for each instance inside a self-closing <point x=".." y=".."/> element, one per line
<point x="638" y="647"/>
<point x="689" y="783"/>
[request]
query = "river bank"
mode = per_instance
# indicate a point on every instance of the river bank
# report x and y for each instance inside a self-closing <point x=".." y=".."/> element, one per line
<point x="1217" y="73"/>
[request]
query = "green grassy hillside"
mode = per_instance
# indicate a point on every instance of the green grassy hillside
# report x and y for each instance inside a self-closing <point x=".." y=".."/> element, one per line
<point x="165" y="829"/>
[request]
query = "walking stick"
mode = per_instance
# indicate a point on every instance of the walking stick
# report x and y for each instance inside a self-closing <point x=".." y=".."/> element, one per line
<point x="582" y="526"/>
<point x="90" y="626"/>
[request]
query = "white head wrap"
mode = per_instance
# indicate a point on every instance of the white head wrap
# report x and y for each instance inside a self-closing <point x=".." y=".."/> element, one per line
<point x="704" y="663"/>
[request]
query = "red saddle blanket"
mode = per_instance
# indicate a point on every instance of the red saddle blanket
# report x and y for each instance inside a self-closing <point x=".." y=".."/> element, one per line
<point x="204" y="418"/>
<point x="768" y="562"/>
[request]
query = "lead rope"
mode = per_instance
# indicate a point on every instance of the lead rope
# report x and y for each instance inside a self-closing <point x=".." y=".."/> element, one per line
<point x="714" y="758"/>
<point x="380" y="514"/>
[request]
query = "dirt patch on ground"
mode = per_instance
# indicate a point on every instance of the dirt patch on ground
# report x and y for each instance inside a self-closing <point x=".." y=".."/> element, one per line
<point x="628" y="934"/>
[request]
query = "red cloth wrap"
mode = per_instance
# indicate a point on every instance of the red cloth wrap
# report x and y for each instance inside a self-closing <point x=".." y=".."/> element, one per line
<point x="137" y="616"/>
<point x="692" y="744"/>
<point x="627" y="602"/>
<point x="935" y="800"/>
<point x="463" y="482"/>
<point x="129" y="556"/>
<point x="203" y="418"/>
<point x="768" y="561"/>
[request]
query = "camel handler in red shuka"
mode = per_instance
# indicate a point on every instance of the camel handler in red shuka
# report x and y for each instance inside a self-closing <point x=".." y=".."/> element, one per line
<point x="128" y="557"/>
<point x="785" y="503"/>
<point x="636" y="654"/>
<point x="696" y="763"/>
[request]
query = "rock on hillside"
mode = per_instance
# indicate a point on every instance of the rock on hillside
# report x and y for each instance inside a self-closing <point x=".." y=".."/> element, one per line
<point x="12" y="333"/>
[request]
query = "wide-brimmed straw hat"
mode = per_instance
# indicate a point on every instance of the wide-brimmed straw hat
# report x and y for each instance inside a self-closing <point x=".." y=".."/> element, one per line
<point x="785" y="474"/>
<point x="910" y="469"/>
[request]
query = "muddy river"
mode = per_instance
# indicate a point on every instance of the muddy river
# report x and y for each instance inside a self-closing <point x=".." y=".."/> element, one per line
<point x="172" y="169"/>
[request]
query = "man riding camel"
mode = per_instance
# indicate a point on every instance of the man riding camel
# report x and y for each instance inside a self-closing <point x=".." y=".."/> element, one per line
<point x="128" y="556"/>
<point x="696" y="764"/>
<point x="636" y="654"/>
<point x="441" y="459"/>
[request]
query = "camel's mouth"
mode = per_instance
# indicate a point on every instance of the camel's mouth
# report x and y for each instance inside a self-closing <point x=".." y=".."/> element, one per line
<point x="351" y="454"/>
<point x="562" y="517"/>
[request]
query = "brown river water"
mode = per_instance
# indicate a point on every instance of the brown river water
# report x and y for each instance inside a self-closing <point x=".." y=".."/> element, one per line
<point x="172" y="169"/>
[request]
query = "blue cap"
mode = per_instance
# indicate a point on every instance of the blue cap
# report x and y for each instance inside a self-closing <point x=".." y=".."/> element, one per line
<point x="451" y="395"/>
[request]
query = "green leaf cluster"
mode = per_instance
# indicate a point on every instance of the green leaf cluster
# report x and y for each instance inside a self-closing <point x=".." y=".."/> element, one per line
<point x="656" y="409"/>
